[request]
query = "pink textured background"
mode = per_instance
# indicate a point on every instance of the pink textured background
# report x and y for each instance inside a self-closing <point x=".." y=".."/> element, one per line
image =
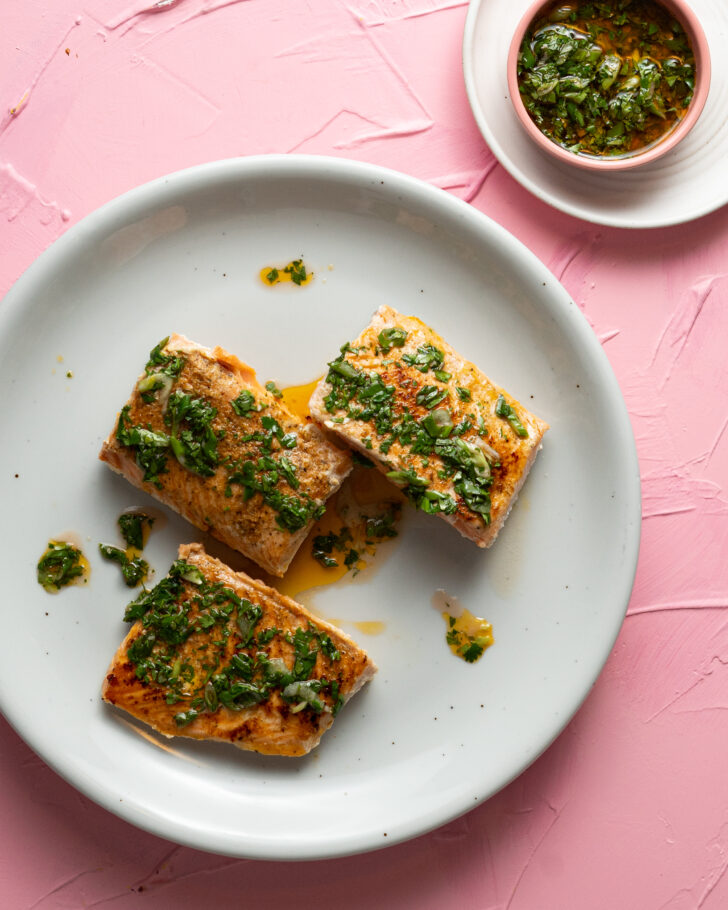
<point x="629" y="808"/>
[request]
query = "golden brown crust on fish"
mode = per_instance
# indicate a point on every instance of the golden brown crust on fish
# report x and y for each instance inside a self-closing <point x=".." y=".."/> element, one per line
<point x="458" y="444"/>
<point x="257" y="483"/>
<point x="203" y="668"/>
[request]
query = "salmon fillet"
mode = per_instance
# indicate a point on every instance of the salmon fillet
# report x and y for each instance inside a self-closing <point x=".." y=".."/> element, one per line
<point x="203" y="436"/>
<point x="214" y="654"/>
<point x="457" y="444"/>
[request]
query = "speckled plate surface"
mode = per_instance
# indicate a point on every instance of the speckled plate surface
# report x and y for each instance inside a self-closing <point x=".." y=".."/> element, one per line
<point x="688" y="182"/>
<point x="431" y="736"/>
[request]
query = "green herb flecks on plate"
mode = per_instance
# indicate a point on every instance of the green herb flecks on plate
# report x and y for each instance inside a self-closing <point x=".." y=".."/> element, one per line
<point x="134" y="570"/>
<point x="62" y="564"/>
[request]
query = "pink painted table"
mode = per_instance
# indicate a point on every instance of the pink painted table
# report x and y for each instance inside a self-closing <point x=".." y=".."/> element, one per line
<point x="629" y="808"/>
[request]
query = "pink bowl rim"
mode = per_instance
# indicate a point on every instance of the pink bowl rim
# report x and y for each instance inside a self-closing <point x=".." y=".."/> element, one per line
<point x="699" y="43"/>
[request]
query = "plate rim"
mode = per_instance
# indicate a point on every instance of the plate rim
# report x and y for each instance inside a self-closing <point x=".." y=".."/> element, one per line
<point x="142" y="199"/>
<point x="593" y="217"/>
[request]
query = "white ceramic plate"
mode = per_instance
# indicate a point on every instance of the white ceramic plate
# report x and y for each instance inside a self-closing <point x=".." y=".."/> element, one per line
<point x="688" y="182"/>
<point x="431" y="737"/>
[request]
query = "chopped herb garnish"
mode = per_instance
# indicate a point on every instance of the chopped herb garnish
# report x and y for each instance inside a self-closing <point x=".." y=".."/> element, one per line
<point x="381" y="527"/>
<point x="368" y="398"/>
<point x="393" y="337"/>
<point x="503" y="409"/>
<point x="134" y="571"/>
<point x="131" y="525"/>
<point x="262" y="475"/>
<point x="192" y="439"/>
<point x="438" y="423"/>
<point x="426" y="358"/>
<point x="430" y="396"/>
<point x="345" y="369"/>
<point x="407" y="479"/>
<point x="244" y="404"/>
<point x="170" y="364"/>
<point x="149" y="386"/>
<point x="324" y="545"/>
<point x="273" y="389"/>
<point x="322" y="548"/>
<point x="190" y="573"/>
<point x="468" y="636"/>
<point x="183" y="646"/>
<point x="150" y="448"/>
<point x="432" y="501"/>
<point x="59" y="565"/>
<point x="351" y="558"/>
<point x="297" y="271"/>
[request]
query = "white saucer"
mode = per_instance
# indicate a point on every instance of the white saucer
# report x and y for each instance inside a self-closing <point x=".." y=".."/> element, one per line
<point x="687" y="183"/>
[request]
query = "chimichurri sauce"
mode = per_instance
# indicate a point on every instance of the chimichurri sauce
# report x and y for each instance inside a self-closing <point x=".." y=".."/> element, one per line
<point x="606" y="78"/>
<point x="62" y="564"/>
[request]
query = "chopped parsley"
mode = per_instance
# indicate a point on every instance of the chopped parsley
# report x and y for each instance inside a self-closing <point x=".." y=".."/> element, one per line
<point x="468" y="636"/>
<point x="262" y="475"/>
<point x="170" y="364"/>
<point x="244" y="404"/>
<point x="381" y="527"/>
<point x="192" y="439"/>
<point x="430" y="396"/>
<point x="393" y="337"/>
<point x="367" y="398"/>
<point x="190" y="430"/>
<point x="426" y="358"/>
<point x="351" y="559"/>
<point x="503" y="409"/>
<point x="150" y="448"/>
<point x="297" y="271"/>
<point x="438" y="423"/>
<point x="131" y="525"/>
<point x="59" y="566"/>
<point x="323" y="547"/>
<point x="161" y="372"/>
<point x="134" y="570"/>
<point x="204" y="646"/>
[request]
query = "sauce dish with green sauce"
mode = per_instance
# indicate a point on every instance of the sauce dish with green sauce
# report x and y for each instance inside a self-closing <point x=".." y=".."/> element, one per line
<point x="608" y="84"/>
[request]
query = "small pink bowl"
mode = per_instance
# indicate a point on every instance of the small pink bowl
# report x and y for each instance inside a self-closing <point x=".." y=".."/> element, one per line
<point x="694" y="31"/>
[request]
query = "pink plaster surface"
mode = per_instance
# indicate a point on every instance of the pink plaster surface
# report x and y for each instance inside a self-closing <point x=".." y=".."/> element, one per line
<point x="629" y="808"/>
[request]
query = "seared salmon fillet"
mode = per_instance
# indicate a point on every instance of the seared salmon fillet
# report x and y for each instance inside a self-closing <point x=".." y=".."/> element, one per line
<point x="215" y="654"/>
<point x="457" y="444"/>
<point x="203" y="436"/>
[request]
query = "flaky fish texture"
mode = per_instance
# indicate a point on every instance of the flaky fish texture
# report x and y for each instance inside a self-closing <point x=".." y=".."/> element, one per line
<point x="214" y="654"/>
<point x="204" y="437"/>
<point x="459" y="445"/>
